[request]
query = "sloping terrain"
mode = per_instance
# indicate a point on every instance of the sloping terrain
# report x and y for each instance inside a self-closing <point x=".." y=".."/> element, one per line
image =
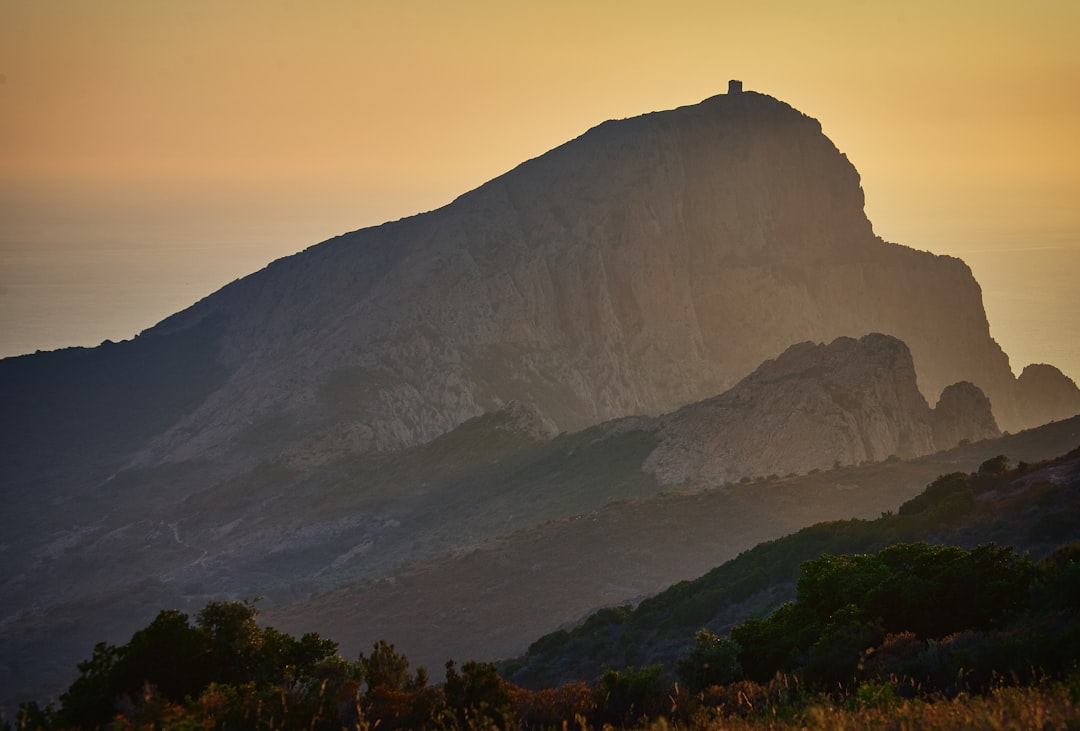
<point x="493" y="599"/>
<point x="286" y="534"/>
<point x="1032" y="507"/>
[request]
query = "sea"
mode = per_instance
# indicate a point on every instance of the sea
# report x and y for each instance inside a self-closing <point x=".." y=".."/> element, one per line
<point x="59" y="296"/>
<point x="1032" y="301"/>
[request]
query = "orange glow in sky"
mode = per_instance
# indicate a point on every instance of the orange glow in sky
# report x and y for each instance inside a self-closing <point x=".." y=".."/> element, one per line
<point x="194" y="142"/>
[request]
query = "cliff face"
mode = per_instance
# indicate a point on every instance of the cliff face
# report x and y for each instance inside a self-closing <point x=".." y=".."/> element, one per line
<point x="648" y="264"/>
<point x="816" y="407"/>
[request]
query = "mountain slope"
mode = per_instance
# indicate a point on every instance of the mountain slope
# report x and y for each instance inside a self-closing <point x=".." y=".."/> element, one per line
<point x="493" y="598"/>
<point x="291" y="536"/>
<point x="1031" y="508"/>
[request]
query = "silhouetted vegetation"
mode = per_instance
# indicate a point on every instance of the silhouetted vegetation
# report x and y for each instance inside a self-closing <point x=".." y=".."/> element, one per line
<point x="896" y="634"/>
<point x="909" y="626"/>
<point x="846" y="604"/>
<point x="713" y="661"/>
<point x="994" y="504"/>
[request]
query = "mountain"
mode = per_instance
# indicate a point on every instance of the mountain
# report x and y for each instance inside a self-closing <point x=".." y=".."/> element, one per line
<point x="650" y="263"/>
<point x="963" y="414"/>
<point x="391" y="396"/>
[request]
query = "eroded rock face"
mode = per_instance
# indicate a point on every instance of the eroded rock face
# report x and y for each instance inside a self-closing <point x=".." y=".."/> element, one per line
<point x="963" y="413"/>
<point x="813" y="407"/>
<point x="648" y="264"/>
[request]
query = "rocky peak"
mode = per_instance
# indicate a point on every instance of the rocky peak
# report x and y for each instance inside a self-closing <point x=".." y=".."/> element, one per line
<point x="813" y="407"/>
<point x="524" y="419"/>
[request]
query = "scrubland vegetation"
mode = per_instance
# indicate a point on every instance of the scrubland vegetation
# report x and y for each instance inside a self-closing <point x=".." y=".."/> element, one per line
<point x="1019" y="507"/>
<point x="911" y="635"/>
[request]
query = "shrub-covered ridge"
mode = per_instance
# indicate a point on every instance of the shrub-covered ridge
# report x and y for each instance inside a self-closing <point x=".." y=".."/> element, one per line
<point x="897" y="634"/>
<point x="1032" y="508"/>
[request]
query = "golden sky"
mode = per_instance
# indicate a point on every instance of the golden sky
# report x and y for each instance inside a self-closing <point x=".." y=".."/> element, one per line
<point x="243" y="130"/>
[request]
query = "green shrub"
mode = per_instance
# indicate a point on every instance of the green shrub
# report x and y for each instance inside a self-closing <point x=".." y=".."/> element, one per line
<point x="714" y="660"/>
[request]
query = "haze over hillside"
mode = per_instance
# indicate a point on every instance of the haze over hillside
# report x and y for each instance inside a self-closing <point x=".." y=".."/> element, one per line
<point x="390" y="396"/>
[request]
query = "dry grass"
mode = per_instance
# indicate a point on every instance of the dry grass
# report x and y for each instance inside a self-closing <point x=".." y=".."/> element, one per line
<point x="1050" y="706"/>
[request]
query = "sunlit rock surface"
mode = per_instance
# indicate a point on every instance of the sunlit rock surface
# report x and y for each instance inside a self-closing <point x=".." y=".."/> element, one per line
<point x="648" y="264"/>
<point x="816" y="407"/>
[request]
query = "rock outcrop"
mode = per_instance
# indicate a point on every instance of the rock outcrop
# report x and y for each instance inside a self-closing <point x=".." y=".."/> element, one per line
<point x="1046" y="394"/>
<point x="963" y="414"/>
<point x="815" y="407"/>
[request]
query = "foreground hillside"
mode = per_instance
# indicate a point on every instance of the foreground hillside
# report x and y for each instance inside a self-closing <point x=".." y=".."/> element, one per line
<point x="493" y="598"/>
<point x="908" y="633"/>
<point x="1032" y="508"/>
<point x="290" y="534"/>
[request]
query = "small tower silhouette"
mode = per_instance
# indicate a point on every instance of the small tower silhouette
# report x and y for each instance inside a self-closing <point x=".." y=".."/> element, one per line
<point x="734" y="87"/>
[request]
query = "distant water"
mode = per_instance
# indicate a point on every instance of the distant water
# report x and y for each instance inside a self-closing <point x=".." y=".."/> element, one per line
<point x="58" y="297"/>
<point x="1032" y="300"/>
<point x="81" y="296"/>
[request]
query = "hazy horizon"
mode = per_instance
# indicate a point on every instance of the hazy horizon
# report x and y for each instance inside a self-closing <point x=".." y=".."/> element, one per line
<point x="150" y="154"/>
